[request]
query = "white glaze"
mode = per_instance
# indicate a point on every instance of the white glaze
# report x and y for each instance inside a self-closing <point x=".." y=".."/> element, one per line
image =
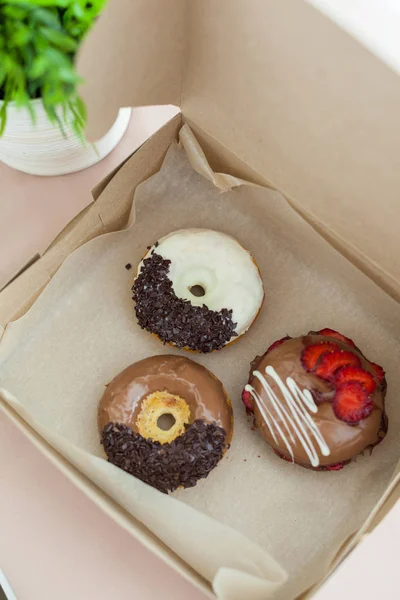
<point x="297" y="423"/>
<point x="219" y="264"/>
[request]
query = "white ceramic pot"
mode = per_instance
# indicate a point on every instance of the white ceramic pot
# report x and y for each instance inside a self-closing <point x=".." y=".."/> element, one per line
<point x="41" y="149"/>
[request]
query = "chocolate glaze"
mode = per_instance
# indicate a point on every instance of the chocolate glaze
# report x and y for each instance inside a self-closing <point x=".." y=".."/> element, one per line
<point x="345" y="441"/>
<point x="203" y="392"/>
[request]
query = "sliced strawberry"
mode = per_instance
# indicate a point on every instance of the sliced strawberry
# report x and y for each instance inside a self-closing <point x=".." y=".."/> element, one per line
<point x="278" y="343"/>
<point x="335" y="334"/>
<point x="336" y="467"/>
<point x="247" y="400"/>
<point x="350" y="373"/>
<point x="352" y="403"/>
<point x="379" y="371"/>
<point x="311" y="354"/>
<point x="333" y="361"/>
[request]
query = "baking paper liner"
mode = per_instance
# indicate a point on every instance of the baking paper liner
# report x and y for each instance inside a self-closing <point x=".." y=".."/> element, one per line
<point x="257" y="527"/>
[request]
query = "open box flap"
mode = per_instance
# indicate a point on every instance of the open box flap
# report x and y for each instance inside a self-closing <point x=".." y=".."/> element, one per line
<point x="285" y="89"/>
<point x="133" y="57"/>
<point x="310" y="109"/>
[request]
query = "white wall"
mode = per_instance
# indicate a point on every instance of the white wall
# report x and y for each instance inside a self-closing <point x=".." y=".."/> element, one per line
<point x="375" y="23"/>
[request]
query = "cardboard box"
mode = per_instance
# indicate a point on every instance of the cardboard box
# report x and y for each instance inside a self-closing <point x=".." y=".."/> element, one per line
<point x="276" y="94"/>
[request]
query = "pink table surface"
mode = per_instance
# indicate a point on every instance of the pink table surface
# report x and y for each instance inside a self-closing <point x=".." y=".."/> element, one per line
<point x="55" y="544"/>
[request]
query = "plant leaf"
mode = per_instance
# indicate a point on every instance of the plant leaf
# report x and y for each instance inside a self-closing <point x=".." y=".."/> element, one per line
<point x="81" y="108"/>
<point x="46" y="3"/>
<point x="68" y="75"/>
<point x="38" y="43"/>
<point x="21" y="36"/>
<point x="3" y="72"/>
<point x="14" y="12"/>
<point x="61" y="40"/>
<point x="39" y="66"/>
<point x="3" y="117"/>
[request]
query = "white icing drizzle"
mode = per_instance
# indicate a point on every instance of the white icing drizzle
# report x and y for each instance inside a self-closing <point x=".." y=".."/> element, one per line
<point x="296" y="421"/>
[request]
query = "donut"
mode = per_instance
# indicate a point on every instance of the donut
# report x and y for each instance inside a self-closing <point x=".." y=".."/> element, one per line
<point x="197" y="289"/>
<point x="317" y="400"/>
<point x="166" y="420"/>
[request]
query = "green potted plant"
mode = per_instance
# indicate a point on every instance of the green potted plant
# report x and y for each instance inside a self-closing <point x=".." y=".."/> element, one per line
<point x="42" y="116"/>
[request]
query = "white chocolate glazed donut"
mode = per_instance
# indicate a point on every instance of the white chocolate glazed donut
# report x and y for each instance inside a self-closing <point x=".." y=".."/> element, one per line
<point x="210" y="262"/>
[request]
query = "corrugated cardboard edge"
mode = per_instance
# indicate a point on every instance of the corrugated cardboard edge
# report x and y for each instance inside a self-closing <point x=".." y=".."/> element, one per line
<point x="108" y="213"/>
<point x="24" y="267"/>
<point x="107" y="505"/>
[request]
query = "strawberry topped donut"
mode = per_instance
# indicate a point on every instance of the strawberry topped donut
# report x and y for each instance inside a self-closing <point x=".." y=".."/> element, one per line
<point x="317" y="400"/>
<point x="197" y="289"/>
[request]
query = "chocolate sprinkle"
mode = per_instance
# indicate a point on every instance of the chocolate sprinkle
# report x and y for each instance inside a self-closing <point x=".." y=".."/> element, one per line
<point x="190" y="457"/>
<point x="174" y="319"/>
<point x="128" y="266"/>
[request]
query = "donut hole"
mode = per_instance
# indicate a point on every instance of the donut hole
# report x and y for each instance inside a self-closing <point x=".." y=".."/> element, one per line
<point x="197" y="290"/>
<point x="166" y="421"/>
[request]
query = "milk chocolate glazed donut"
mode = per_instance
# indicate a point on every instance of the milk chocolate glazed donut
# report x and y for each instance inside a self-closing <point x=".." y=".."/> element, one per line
<point x="197" y="415"/>
<point x="317" y="400"/>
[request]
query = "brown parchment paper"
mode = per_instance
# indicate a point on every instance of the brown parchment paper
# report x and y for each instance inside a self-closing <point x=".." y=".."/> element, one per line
<point x="258" y="527"/>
